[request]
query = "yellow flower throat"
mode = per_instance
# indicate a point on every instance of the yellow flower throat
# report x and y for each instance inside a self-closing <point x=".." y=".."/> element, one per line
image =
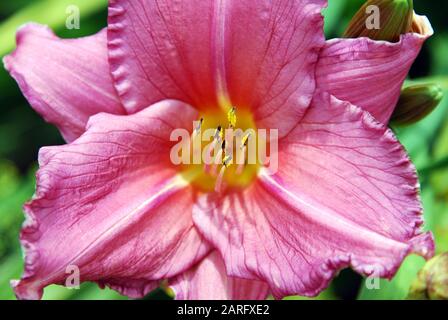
<point x="226" y="142"/>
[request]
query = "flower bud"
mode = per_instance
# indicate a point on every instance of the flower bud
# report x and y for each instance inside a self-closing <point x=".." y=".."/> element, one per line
<point x="382" y="20"/>
<point x="432" y="280"/>
<point x="416" y="102"/>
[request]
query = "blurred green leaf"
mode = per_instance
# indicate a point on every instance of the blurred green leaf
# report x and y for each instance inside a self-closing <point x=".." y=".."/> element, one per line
<point x="436" y="165"/>
<point x="87" y="291"/>
<point x="333" y="15"/>
<point x="10" y="268"/>
<point x="439" y="179"/>
<point x="327" y="294"/>
<point x="440" y="228"/>
<point x="14" y="191"/>
<point x="49" y="12"/>
<point x="55" y="292"/>
<point x="439" y="53"/>
<point x="26" y="132"/>
<point x="9" y="179"/>
<point x="398" y="288"/>
<point x="436" y="217"/>
<point x="91" y="291"/>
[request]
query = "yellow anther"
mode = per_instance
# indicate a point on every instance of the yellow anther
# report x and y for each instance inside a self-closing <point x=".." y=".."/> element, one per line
<point x="219" y="134"/>
<point x="199" y="125"/>
<point x="231" y="116"/>
<point x="245" y="139"/>
<point x="226" y="161"/>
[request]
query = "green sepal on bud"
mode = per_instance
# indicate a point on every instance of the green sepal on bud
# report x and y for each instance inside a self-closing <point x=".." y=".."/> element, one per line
<point x="415" y="103"/>
<point x="382" y="20"/>
<point x="432" y="280"/>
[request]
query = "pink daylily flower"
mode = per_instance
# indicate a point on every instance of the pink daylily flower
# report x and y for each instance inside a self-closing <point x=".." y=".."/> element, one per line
<point x="112" y="203"/>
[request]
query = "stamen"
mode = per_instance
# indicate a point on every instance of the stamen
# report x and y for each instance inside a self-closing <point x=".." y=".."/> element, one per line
<point x="220" y="139"/>
<point x="216" y="160"/>
<point x="218" y="185"/>
<point x="199" y="125"/>
<point x="219" y="134"/>
<point x="215" y="164"/>
<point x="231" y="117"/>
<point x="241" y="161"/>
<point x="227" y="160"/>
<point x="195" y="141"/>
<point x="245" y="140"/>
<point x="219" y="180"/>
<point x="217" y="138"/>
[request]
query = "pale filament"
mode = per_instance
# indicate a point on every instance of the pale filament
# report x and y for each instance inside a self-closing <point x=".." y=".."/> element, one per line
<point x="195" y="135"/>
<point x="241" y="161"/>
<point x="219" y="180"/>
<point x="211" y="149"/>
<point x="216" y="162"/>
<point x="218" y="184"/>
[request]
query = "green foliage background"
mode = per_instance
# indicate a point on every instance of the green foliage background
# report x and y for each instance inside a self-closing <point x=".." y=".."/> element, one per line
<point x="23" y="132"/>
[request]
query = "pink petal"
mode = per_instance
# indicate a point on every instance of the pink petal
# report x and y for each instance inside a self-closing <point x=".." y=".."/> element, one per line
<point x="345" y="194"/>
<point x="66" y="81"/>
<point x="249" y="53"/>
<point x="161" y="49"/>
<point x="273" y="49"/>
<point x="209" y="281"/>
<point x="370" y="73"/>
<point x="111" y="204"/>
